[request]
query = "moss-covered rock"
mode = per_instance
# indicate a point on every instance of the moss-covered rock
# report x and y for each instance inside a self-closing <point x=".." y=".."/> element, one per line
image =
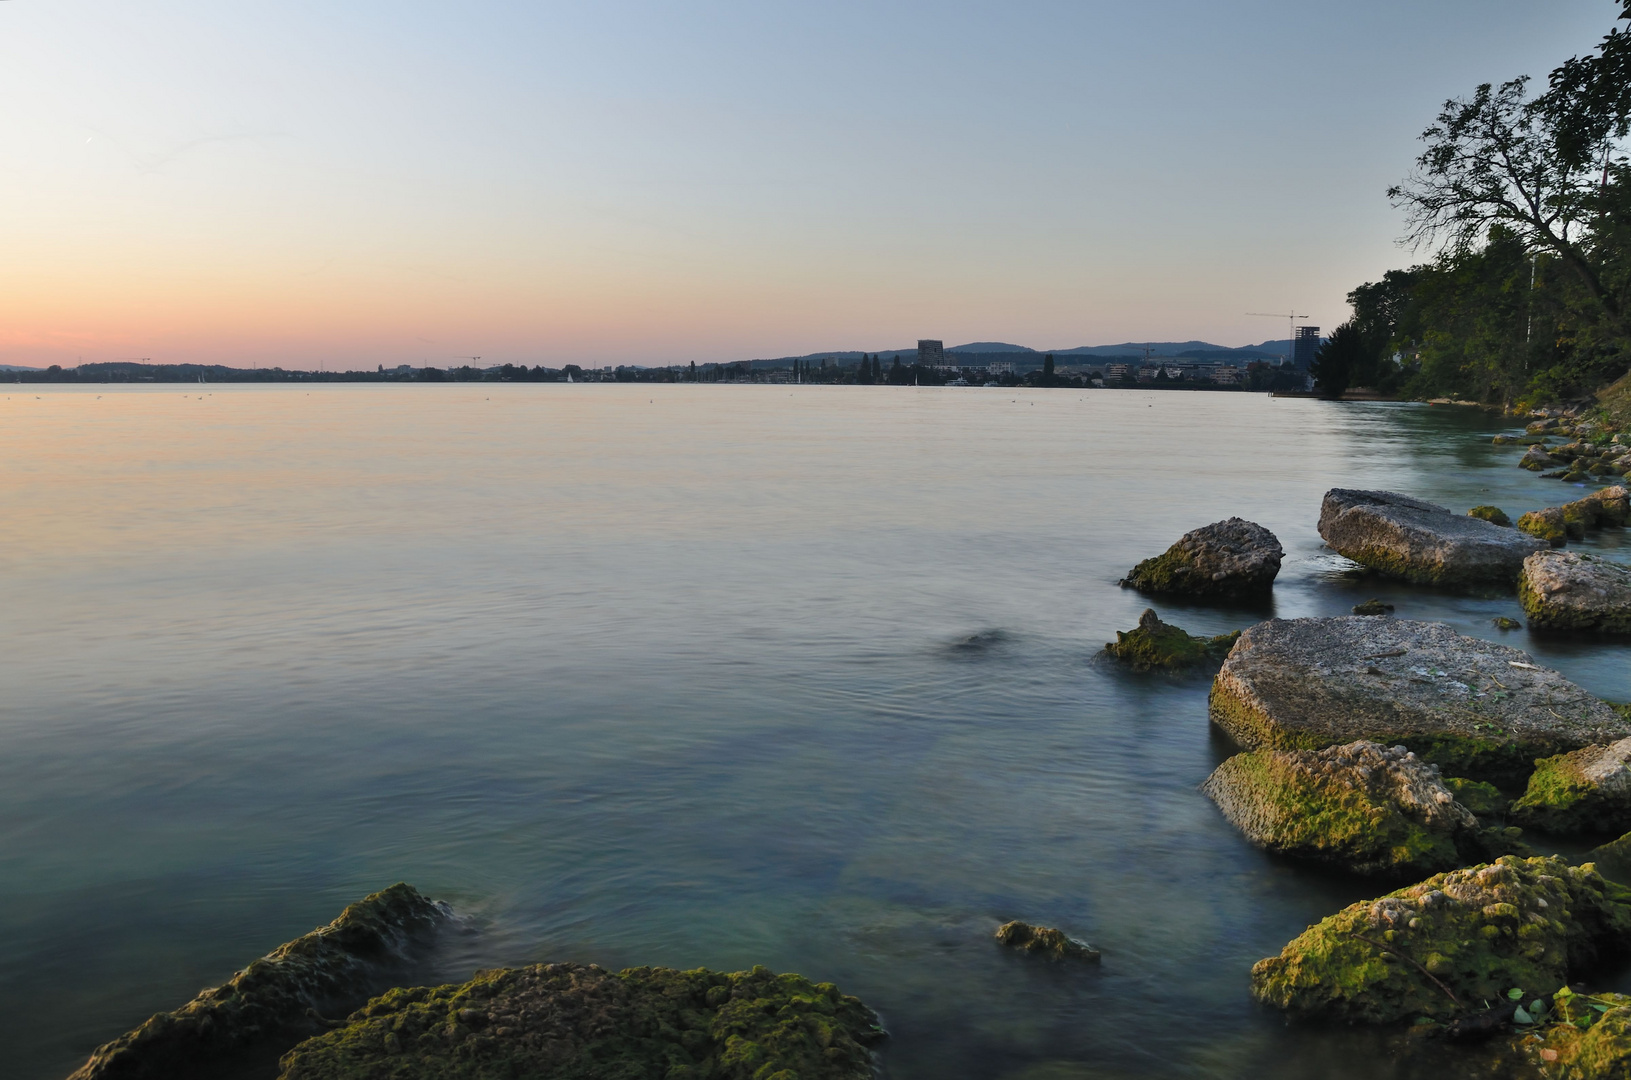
<point x="273" y="1002"/>
<point x="1045" y="941"/>
<point x="1373" y="607"/>
<point x="1586" y="791"/>
<point x="1492" y="514"/>
<point x="1586" y="1036"/>
<point x="1568" y="590"/>
<point x="1445" y="946"/>
<point x="1474" y="708"/>
<point x="1362" y="807"/>
<point x="1548" y="525"/>
<point x="580" y="1022"/>
<point x="1227" y="560"/>
<point x="1156" y="645"/>
<point x="1501" y="622"/>
<point x="1419" y="541"/>
<point x="1484" y="800"/>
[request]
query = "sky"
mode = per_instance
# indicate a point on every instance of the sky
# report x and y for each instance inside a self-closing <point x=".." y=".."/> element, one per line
<point x="353" y="183"/>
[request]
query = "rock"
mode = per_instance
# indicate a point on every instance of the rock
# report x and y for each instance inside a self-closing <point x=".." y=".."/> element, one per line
<point x="581" y="1022"/>
<point x="1569" y="590"/>
<point x="1537" y="459"/>
<point x="1361" y="807"/>
<point x="1586" y="791"/>
<point x="1609" y="507"/>
<point x="1054" y="944"/>
<point x="271" y="1004"/>
<point x="1492" y="514"/>
<point x="1474" y="708"/>
<point x="1484" y="800"/>
<point x="1600" y="1050"/>
<point x="1420" y="542"/>
<point x="1547" y="524"/>
<point x="1225" y="560"/>
<point x="1540" y="427"/>
<point x="1158" y="645"/>
<point x="1444" y="947"/>
<point x="1503" y="623"/>
<point x="1372" y="607"/>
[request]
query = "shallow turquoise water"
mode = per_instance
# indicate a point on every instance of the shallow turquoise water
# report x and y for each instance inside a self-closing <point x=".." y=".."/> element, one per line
<point x="685" y="675"/>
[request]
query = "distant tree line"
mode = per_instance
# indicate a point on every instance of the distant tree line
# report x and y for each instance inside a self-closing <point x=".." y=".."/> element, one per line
<point x="1525" y="202"/>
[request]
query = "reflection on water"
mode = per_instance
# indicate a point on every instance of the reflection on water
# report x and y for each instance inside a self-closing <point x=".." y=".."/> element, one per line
<point x="683" y="675"/>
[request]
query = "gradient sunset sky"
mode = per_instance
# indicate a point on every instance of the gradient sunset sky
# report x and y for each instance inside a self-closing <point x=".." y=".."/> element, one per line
<point x="357" y="183"/>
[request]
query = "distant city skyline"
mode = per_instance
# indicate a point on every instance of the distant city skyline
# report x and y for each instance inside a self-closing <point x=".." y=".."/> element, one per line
<point x="635" y="183"/>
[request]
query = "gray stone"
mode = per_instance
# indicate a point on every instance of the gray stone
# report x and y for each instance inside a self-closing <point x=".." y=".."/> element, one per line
<point x="1474" y="708"/>
<point x="1536" y="459"/>
<point x="1227" y="559"/>
<point x="1588" y="791"/>
<point x="1421" y="542"/>
<point x="1570" y="590"/>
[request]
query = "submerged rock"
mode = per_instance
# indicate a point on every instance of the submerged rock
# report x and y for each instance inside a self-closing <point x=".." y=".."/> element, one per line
<point x="1444" y="947"/>
<point x="1501" y="622"/>
<point x="1588" y="790"/>
<point x="1225" y="560"/>
<point x="1492" y="514"/>
<point x="1372" y="607"/>
<point x="1054" y="944"/>
<point x="1421" y="542"/>
<point x="1474" y="708"/>
<point x="275" y="1001"/>
<point x="584" y="1023"/>
<point x="1568" y="590"/>
<point x="1158" y="645"/>
<point x="1362" y="807"/>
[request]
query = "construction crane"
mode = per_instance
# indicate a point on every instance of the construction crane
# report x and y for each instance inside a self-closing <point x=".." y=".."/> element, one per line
<point x="1291" y="336"/>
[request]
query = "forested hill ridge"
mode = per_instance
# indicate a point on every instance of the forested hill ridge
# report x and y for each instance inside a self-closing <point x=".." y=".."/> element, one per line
<point x="1522" y="198"/>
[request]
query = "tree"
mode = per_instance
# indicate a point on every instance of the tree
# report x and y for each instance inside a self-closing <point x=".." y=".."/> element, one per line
<point x="1339" y="356"/>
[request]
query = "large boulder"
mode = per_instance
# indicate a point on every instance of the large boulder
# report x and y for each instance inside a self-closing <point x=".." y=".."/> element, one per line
<point x="1046" y="941"/>
<point x="581" y="1022"/>
<point x="1226" y="560"/>
<point x="1421" y="542"/>
<point x="1586" y="791"/>
<point x="1569" y="590"/>
<point x="1474" y="708"/>
<point x="1536" y="459"/>
<point x="1363" y="807"/>
<point x="275" y="1001"/>
<point x="1445" y="947"/>
<point x="1155" y="645"/>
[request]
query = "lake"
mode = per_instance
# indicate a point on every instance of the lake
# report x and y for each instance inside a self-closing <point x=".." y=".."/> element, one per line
<point x="687" y="675"/>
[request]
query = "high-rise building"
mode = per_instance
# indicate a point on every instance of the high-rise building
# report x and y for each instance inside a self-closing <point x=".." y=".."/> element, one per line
<point x="1304" y="348"/>
<point x="931" y="353"/>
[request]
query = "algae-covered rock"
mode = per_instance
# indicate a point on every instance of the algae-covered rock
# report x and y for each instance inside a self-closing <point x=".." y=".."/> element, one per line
<point x="272" y="1002"/>
<point x="1492" y="514"/>
<point x="1474" y="708"/>
<point x="1362" y="807"/>
<point x="580" y="1022"/>
<point x="1230" y="559"/>
<point x="1502" y="622"/>
<point x="1588" y="790"/>
<point x="1536" y="459"/>
<point x="1158" y="645"/>
<point x="1484" y="800"/>
<point x="1587" y="1037"/>
<point x="1569" y="590"/>
<point x="1421" y="542"/>
<point x="1044" y="940"/>
<point x="1444" y="947"/>
<point x="1548" y="525"/>
<point x="1372" y="607"/>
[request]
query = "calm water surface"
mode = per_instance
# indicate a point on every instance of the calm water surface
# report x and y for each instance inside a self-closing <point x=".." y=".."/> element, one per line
<point x="795" y="676"/>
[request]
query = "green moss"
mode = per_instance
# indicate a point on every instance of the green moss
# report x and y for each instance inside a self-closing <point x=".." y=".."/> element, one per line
<point x="1372" y="607"/>
<point x="1484" y="800"/>
<point x="1559" y="798"/>
<point x="1492" y="514"/>
<point x="1478" y="932"/>
<point x="1549" y="525"/>
<point x="1156" y="645"/>
<point x="1292" y="806"/>
<point x="576" y="1022"/>
<point x="1587" y="1037"/>
<point x="1049" y="942"/>
<point x="1503" y="623"/>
